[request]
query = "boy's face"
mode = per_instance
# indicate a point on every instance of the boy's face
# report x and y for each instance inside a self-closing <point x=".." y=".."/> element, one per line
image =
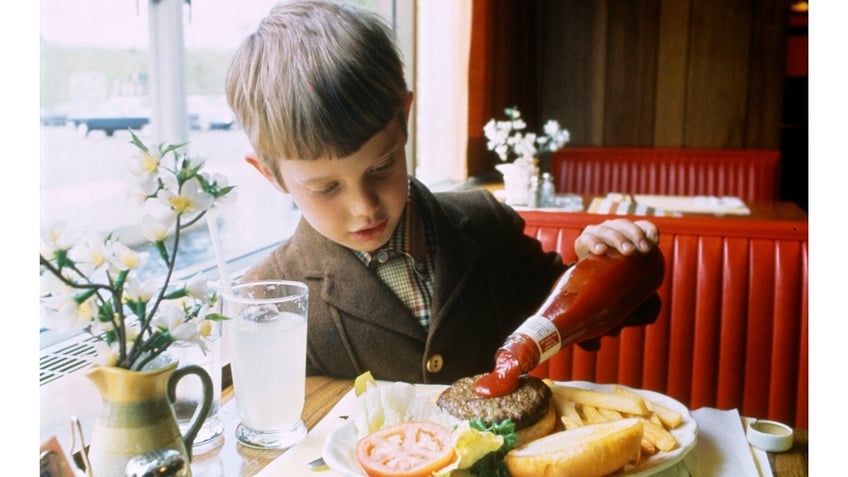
<point x="355" y="201"/>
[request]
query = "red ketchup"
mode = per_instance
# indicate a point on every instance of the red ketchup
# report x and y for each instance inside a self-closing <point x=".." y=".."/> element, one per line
<point x="589" y="300"/>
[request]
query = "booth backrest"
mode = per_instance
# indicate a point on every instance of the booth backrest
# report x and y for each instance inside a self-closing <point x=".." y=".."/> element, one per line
<point x="732" y="331"/>
<point x="752" y="175"/>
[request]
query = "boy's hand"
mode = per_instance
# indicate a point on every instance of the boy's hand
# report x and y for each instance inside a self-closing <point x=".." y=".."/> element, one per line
<point x="620" y="234"/>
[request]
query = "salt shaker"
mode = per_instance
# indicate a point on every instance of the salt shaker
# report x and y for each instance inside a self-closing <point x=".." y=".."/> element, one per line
<point x="548" y="191"/>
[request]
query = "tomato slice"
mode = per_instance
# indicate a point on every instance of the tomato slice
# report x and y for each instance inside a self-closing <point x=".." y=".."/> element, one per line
<point x="408" y="449"/>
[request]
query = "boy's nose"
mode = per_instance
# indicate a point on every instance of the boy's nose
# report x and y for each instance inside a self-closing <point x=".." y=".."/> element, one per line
<point x="364" y="201"/>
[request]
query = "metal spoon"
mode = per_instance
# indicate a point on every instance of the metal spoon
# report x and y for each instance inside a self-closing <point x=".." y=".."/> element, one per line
<point x="157" y="463"/>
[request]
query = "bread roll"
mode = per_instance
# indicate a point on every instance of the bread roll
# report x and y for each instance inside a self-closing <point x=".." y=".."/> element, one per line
<point x="590" y="451"/>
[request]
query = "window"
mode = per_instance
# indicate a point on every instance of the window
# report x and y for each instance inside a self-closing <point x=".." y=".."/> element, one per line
<point x="96" y="82"/>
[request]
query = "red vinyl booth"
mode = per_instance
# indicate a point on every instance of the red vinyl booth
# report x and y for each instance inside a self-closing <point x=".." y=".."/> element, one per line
<point x="732" y="331"/>
<point x="752" y="175"/>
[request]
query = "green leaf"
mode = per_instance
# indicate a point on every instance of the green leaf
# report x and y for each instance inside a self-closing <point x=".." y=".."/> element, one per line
<point x="105" y="312"/>
<point x="137" y="142"/>
<point x="170" y="147"/>
<point x="163" y="251"/>
<point x="492" y="464"/>
<point x="81" y="297"/>
<point x="212" y="188"/>
<point x="217" y="317"/>
<point x="110" y="336"/>
<point x="177" y="294"/>
<point x="122" y="277"/>
<point x="161" y="340"/>
<point x="62" y="260"/>
<point x="224" y="191"/>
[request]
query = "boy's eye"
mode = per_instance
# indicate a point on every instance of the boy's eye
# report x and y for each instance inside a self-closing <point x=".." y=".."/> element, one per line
<point x="383" y="167"/>
<point x="327" y="189"/>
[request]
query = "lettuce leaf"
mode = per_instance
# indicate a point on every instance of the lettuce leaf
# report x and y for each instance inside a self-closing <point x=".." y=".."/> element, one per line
<point x="492" y="464"/>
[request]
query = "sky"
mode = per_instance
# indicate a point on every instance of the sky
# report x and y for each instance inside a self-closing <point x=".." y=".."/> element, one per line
<point x="215" y="24"/>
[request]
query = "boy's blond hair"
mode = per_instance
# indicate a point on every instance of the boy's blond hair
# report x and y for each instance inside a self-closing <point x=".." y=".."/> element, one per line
<point x="317" y="79"/>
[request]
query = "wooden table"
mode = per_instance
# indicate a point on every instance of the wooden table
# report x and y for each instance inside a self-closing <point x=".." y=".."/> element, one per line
<point x="322" y="393"/>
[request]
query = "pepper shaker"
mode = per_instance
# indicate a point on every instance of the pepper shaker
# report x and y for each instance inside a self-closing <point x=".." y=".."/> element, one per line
<point x="533" y="193"/>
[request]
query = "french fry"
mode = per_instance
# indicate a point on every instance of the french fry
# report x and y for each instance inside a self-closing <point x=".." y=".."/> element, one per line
<point x="655" y="418"/>
<point x="669" y="417"/>
<point x="610" y="414"/>
<point x="647" y="447"/>
<point x="579" y="407"/>
<point x="569" y="416"/>
<point x="592" y="416"/>
<point x="659" y="436"/>
<point x="622" y="403"/>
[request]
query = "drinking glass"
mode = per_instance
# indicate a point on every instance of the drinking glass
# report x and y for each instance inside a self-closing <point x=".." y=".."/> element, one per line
<point x="189" y="392"/>
<point x="266" y="334"/>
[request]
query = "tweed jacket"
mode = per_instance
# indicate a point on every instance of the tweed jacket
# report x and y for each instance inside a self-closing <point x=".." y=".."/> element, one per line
<point x="489" y="277"/>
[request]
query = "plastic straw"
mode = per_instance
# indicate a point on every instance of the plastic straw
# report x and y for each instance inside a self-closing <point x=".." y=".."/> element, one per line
<point x="224" y="275"/>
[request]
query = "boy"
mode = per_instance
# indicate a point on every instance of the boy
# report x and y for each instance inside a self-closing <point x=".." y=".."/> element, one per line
<point x="408" y="284"/>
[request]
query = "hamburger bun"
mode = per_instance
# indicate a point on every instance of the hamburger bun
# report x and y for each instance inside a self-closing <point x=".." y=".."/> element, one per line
<point x="590" y="451"/>
<point x="530" y="407"/>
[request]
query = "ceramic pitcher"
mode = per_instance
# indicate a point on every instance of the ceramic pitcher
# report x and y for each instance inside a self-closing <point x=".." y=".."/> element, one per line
<point x="516" y="177"/>
<point x="136" y="415"/>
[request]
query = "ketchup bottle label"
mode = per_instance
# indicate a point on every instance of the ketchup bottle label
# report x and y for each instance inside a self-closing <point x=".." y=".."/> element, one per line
<point x="544" y="333"/>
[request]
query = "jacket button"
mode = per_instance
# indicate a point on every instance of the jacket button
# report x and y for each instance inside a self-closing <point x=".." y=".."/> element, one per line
<point x="434" y="363"/>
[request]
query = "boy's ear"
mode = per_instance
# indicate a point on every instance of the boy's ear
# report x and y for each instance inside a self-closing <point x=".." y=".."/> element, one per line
<point x="408" y="106"/>
<point x="254" y="160"/>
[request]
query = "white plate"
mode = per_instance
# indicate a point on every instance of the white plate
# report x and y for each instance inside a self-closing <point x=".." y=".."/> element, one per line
<point x="339" y="449"/>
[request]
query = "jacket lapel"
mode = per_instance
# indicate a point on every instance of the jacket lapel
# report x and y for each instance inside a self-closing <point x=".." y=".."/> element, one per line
<point x="455" y="258"/>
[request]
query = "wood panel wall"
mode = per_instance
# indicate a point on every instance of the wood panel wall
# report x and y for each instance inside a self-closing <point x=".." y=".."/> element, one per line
<point x="664" y="73"/>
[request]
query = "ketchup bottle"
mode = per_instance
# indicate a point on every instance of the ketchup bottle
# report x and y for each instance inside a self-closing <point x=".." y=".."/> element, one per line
<point x="590" y="299"/>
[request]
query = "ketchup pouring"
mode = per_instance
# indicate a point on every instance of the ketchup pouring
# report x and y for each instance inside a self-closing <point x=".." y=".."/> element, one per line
<point x="590" y="299"/>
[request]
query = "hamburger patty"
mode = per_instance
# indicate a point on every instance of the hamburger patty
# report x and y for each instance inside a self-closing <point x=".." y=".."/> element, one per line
<point x="524" y="407"/>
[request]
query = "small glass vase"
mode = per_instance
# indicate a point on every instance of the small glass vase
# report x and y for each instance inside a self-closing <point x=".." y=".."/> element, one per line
<point x="189" y="393"/>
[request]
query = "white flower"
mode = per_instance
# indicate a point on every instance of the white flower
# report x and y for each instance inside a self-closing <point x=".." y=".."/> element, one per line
<point x="122" y="257"/>
<point x="51" y="285"/>
<point x="220" y="181"/>
<point x="156" y="228"/>
<point x="63" y="313"/>
<point x="552" y="127"/>
<point x="107" y="355"/>
<point x="170" y="315"/>
<point x="139" y="192"/>
<point x="506" y="138"/>
<point x="89" y="256"/>
<point x="191" y="332"/>
<point x="190" y="199"/>
<point x="525" y="146"/>
<point x="142" y="292"/>
<point x="145" y="166"/>
<point x="57" y="237"/>
<point x="198" y="288"/>
<point x="81" y="280"/>
<point x="173" y="318"/>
